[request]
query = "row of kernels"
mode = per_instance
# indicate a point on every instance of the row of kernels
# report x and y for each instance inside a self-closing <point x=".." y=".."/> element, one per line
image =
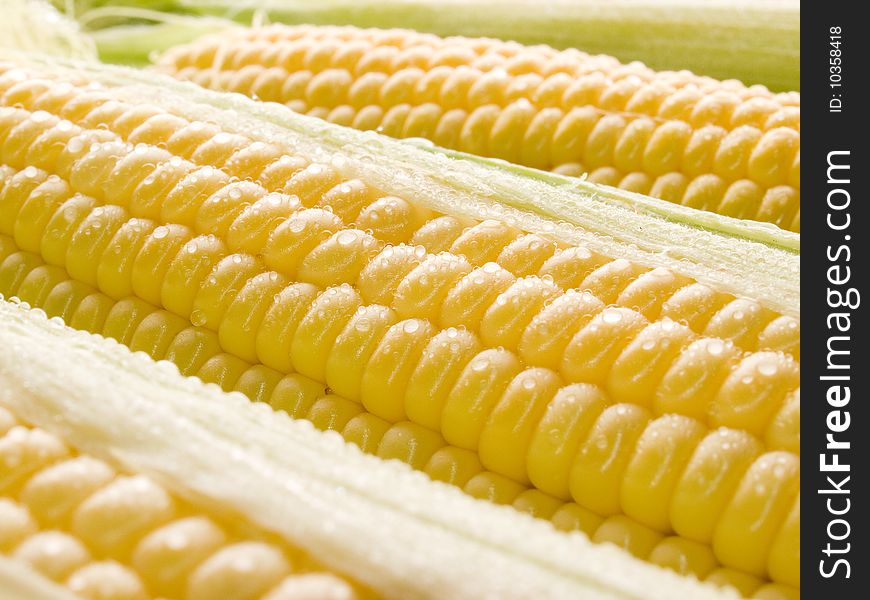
<point x="360" y="50"/>
<point x="470" y="88"/>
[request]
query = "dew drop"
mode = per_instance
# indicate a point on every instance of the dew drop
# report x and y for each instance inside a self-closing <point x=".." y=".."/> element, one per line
<point x="715" y="347"/>
<point x="611" y="316"/>
<point x="768" y="369"/>
<point x="346" y="238"/>
<point x="197" y="318"/>
<point x="480" y="364"/>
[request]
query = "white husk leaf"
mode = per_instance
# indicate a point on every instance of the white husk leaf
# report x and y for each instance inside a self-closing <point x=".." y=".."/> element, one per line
<point x="377" y="521"/>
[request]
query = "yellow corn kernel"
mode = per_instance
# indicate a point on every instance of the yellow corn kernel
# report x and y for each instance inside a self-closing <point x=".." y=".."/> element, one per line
<point x="684" y="556"/>
<point x="295" y="394"/>
<point x="599" y="343"/>
<point x="366" y="431"/>
<point x="167" y="556"/>
<point x="106" y="578"/>
<point x="111" y="519"/>
<point x="354" y="347"/>
<point x="410" y="443"/>
<point x="156" y="332"/>
<point x="573" y="517"/>
<point x="258" y="383"/>
<point x="382" y="390"/>
<point x="642" y="364"/>
<point x="505" y="320"/>
<point x="629" y="535"/>
<point x="505" y="438"/>
<point x="563" y="427"/>
<point x="723" y="456"/>
<point x="238" y="328"/>
<point x="153" y="260"/>
<point x="537" y="504"/>
<point x="277" y="330"/>
<point x="785" y="551"/>
<point x="544" y="340"/>
<point x="191" y="348"/>
<point x="115" y="266"/>
<point x="474" y="396"/>
<point x="784" y="432"/>
<point x="440" y="366"/>
<point x="758" y="509"/>
<point x="453" y="465"/>
<point x="65" y="299"/>
<point x="92" y="313"/>
<point x="332" y="412"/>
<point x="220" y="289"/>
<point x="660" y="456"/>
<point x="695" y="377"/>
<point x="754" y="391"/>
<point x="743" y="584"/>
<point x="776" y="591"/>
<point x="223" y="370"/>
<point x="424" y="289"/>
<point x="598" y="470"/>
<point x="124" y="318"/>
<point x="53" y="554"/>
<point x="38" y="283"/>
<point x="18" y="524"/>
<point x="493" y="487"/>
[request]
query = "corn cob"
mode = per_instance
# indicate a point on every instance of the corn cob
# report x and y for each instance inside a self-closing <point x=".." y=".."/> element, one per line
<point x="691" y="140"/>
<point x="138" y="481"/>
<point x="134" y="226"/>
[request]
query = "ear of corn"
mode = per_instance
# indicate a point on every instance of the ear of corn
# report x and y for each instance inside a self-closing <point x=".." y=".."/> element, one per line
<point x="534" y="340"/>
<point x="360" y="516"/>
<point x="691" y="140"/>
<point x="757" y="42"/>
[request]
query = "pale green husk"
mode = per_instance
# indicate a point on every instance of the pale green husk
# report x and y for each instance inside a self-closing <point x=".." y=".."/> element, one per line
<point x="37" y="26"/>
<point x="755" y="41"/>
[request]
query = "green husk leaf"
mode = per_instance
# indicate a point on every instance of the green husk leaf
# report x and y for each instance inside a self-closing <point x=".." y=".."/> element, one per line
<point x="755" y="41"/>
